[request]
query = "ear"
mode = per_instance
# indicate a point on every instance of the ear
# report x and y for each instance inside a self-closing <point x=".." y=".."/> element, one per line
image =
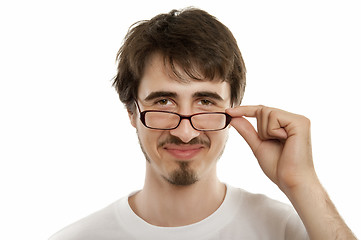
<point x="132" y="117"/>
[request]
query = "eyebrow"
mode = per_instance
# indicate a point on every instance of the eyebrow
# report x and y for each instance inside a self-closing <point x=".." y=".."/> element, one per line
<point x="207" y="94"/>
<point x="158" y="94"/>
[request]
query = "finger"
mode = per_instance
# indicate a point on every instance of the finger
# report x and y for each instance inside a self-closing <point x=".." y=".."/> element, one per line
<point x="259" y="112"/>
<point x="262" y="118"/>
<point x="269" y="125"/>
<point x="274" y="127"/>
<point x="254" y="111"/>
<point x="247" y="131"/>
<point x="247" y="111"/>
<point x="270" y="121"/>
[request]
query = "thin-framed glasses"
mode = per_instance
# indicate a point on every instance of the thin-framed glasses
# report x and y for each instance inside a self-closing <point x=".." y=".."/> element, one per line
<point x="165" y="120"/>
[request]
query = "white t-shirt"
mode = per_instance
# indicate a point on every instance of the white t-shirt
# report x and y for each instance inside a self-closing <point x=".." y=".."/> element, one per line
<point x="242" y="215"/>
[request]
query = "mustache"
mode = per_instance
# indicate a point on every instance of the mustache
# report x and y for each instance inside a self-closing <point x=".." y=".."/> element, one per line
<point x="175" y="140"/>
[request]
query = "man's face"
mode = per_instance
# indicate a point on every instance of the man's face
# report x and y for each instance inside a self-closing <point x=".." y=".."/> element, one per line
<point x="181" y="156"/>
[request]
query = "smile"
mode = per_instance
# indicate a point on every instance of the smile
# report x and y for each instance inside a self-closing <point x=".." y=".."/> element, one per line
<point x="183" y="152"/>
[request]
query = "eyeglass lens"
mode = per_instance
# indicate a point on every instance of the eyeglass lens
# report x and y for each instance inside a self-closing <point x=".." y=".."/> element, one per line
<point x="166" y="120"/>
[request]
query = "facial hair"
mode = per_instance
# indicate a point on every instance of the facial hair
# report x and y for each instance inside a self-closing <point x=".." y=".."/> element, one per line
<point x="183" y="175"/>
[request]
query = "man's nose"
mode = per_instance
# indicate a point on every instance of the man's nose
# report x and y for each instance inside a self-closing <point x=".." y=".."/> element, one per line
<point x="185" y="131"/>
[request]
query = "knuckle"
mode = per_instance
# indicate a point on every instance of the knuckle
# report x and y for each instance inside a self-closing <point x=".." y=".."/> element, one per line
<point x="263" y="110"/>
<point x="304" y="121"/>
<point x="269" y="131"/>
<point x="307" y="121"/>
<point x="272" y="114"/>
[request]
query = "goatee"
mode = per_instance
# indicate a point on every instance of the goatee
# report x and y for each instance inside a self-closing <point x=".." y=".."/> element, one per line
<point x="183" y="176"/>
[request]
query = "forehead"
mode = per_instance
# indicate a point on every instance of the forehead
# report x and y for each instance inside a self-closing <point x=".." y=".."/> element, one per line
<point x="158" y="76"/>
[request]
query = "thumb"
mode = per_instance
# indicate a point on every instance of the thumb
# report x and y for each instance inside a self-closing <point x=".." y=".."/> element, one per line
<point x="247" y="131"/>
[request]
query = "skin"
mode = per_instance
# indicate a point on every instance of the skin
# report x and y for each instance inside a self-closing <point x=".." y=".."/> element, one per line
<point x="160" y="202"/>
<point x="281" y="144"/>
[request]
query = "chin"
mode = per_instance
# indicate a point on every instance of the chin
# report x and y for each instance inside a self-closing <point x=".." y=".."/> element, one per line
<point x="183" y="176"/>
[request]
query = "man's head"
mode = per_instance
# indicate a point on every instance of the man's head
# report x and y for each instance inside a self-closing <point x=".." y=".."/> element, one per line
<point x="181" y="155"/>
<point x="184" y="62"/>
<point x="192" y="39"/>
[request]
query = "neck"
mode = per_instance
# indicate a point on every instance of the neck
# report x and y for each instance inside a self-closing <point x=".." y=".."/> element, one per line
<point x="162" y="204"/>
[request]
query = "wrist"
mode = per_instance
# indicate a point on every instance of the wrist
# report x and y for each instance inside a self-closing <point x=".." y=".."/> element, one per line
<point x="303" y="185"/>
<point x="317" y="211"/>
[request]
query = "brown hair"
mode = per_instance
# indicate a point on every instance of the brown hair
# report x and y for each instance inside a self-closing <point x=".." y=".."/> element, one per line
<point x="193" y="40"/>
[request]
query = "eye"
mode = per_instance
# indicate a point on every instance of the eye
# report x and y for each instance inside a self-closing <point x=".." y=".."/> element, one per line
<point x="163" y="102"/>
<point x="206" y="102"/>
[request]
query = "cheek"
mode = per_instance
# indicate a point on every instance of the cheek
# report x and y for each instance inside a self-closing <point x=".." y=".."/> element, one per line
<point x="149" y="140"/>
<point x="218" y="140"/>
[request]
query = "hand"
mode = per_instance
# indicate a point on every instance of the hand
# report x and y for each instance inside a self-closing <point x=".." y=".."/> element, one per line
<point x="282" y="144"/>
<point x="282" y="147"/>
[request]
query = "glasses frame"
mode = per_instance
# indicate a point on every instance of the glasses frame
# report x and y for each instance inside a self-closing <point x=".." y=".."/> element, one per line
<point x="181" y="117"/>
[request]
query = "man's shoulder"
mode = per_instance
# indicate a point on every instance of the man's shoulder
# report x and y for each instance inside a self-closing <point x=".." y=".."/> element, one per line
<point x="261" y="215"/>
<point x="94" y="226"/>
<point x="260" y="204"/>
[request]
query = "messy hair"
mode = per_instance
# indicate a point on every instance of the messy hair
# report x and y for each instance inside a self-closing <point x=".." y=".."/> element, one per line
<point x="191" y="39"/>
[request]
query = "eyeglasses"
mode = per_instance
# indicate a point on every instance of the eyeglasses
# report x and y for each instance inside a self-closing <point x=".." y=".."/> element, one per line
<point x="165" y="120"/>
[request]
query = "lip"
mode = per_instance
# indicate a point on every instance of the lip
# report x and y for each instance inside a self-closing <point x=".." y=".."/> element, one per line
<point x="183" y="152"/>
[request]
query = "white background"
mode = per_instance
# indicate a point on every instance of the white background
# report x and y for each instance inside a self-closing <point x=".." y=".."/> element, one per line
<point x="67" y="148"/>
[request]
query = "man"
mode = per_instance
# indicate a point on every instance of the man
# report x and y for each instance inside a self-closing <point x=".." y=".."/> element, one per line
<point x="182" y="77"/>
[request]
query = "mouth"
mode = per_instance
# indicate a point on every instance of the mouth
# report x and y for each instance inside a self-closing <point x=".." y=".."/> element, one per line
<point x="183" y="152"/>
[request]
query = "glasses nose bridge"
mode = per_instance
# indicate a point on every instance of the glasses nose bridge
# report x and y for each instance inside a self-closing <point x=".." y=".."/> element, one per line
<point x="188" y="117"/>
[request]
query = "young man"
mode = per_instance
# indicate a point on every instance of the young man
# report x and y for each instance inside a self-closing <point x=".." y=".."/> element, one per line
<point x="182" y="78"/>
